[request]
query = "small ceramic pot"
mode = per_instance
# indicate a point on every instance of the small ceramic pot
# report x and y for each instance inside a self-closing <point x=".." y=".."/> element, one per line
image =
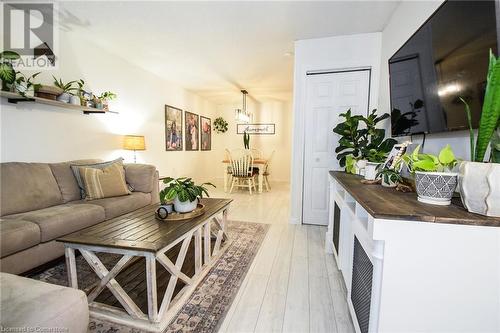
<point x="75" y="100"/>
<point x="64" y="97"/>
<point x="390" y="183"/>
<point x="436" y="187"/>
<point x="184" y="207"/>
<point x="371" y="170"/>
<point x="360" y="167"/>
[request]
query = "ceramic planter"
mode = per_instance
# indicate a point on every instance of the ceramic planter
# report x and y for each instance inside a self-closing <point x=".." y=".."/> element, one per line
<point x="389" y="183"/>
<point x="479" y="186"/>
<point x="435" y="187"/>
<point x="75" y="100"/>
<point x="169" y="207"/>
<point x="371" y="170"/>
<point x="184" y="207"/>
<point x="64" y="97"/>
<point x="360" y="167"/>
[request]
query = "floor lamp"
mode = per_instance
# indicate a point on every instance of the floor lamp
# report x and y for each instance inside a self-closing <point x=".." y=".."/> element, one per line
<point x="134" y="142"/>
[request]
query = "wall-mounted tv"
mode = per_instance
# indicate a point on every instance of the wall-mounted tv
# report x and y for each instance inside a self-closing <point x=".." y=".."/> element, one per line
<point x="445" y="59"/>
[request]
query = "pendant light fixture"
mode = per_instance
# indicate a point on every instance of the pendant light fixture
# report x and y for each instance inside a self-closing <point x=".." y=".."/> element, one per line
<point x="242" y="114"/>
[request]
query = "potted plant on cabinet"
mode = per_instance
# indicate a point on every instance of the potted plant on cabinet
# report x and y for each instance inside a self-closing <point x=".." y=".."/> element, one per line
<point x="479" y="183"/>
<point x="184" y="193"/>
<point x="374" y="159"/>
<point x="362" y="143"/>
<point x="435" y="180"/>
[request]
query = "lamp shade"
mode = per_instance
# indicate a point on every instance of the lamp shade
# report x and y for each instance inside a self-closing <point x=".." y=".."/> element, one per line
<point x="134" y="142"/>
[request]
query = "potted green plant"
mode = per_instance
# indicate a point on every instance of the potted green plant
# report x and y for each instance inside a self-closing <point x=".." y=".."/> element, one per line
<point x="478" y="180"/>
<point x="361" y="142"/>
<point x="374" y="159"/>
<point x="105" y="97"/>
<point x="66" y="88"/>
<point x="220" y="125"/>
<point x="7" y="72"/>
<point x="435" y="180"/>
<point x="25" y="86"/>
<point x="184" y="193"/>
<point x="390" y="176"/>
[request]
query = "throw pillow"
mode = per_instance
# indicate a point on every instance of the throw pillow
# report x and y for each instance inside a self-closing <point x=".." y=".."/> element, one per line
<point x="101" y="165"/>
<point x="104" y="183"/>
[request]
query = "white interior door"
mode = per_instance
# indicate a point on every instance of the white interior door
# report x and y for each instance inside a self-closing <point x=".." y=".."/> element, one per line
<point x="328" y="95"/>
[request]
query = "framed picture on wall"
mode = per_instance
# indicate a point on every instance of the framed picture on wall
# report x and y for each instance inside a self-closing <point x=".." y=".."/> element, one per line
<point x="206" y="133"/>
<point x="192" y="133"/>
<point x="173" y="128"/>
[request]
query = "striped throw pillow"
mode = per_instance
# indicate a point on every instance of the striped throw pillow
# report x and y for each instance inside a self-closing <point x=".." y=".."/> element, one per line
<point x="104" y="183"/>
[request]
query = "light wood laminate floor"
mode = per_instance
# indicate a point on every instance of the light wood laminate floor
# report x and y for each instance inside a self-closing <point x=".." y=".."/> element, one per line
<point x="292" y="285"/>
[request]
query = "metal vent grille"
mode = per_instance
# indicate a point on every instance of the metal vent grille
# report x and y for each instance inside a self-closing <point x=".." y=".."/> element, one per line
<point x="336" y="227"/>
<point x="361" y="291"/>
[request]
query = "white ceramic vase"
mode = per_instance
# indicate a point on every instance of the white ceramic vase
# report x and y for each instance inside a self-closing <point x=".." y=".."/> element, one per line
<point x="184" y="207"/>
<point x="360" y="167"/>
<point x="371" y="170"/>
<point x="75" y="100"/>
<point x="64" y="97"/>
<point x="479" y="185"/>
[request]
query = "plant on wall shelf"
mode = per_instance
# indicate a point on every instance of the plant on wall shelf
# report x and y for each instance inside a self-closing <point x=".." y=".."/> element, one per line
<point x="220" y="125"/>
<point x="24" y="84"/>
<point x="66" y="87"/>
<point x="7" y="72"/>
<point x="362" y="143"/>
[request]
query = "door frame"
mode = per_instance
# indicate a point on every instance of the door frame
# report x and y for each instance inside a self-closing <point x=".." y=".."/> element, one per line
<point x="298" y="154"/>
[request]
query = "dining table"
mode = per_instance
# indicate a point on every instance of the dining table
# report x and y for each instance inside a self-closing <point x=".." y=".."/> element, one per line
<point x="258" y="163"/>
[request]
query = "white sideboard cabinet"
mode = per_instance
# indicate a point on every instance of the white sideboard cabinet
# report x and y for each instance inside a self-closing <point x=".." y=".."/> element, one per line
<point x="410" y="266"/>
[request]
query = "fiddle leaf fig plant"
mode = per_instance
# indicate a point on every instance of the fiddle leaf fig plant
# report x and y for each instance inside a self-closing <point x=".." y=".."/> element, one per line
<point x="362" y="143"/>
<point x="417" y="161"/>
<point x="183" y="188"/>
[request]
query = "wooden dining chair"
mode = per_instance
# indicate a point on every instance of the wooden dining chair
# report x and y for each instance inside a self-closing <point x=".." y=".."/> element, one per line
<point x="242" y="173"/>
<point x="227" y="157"/>
<point x="256" y="153"/>
<point x="267" y="172"/>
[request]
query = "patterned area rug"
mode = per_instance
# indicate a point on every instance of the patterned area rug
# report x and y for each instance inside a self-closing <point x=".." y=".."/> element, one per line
<point x="207" y="306"/>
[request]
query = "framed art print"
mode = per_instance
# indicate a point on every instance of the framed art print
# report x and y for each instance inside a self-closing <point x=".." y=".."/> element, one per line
<point x="192" y="133"/>
<point x="173" y="128"/>
<point x="206" y="133"/>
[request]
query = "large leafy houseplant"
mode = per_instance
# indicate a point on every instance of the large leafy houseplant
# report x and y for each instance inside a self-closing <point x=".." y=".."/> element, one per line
<point x="7" y="72"/>
<point x="478" y="190"/>
<point x="220" y="125"/>
<point x="362" y="143"/>
<point x="183" y="192"/>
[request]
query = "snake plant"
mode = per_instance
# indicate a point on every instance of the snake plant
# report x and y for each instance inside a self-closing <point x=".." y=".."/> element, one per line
<point x="490" y="117"/>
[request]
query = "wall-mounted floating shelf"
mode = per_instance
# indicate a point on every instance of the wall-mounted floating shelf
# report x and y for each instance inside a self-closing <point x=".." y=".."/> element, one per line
<point x="16" y="98"/>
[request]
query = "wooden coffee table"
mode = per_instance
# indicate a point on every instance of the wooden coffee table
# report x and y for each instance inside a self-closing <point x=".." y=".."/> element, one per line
<point x="145" y="243"/>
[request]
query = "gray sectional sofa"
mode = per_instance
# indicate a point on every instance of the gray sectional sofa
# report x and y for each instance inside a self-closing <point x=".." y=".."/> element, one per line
<point x="40" y="202"/>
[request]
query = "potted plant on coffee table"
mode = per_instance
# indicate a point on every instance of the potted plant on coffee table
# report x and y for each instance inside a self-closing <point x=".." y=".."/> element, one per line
<point x="184" y="193"/>
<point x="435" y="180"/>
<point x="479" y="182"/>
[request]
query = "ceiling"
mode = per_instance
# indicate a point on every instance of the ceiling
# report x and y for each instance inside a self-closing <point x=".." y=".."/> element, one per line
<point x="217" y="48"/>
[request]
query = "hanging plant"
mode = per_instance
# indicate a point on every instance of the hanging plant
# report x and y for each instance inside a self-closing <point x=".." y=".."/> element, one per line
<point x="220" y="125"/>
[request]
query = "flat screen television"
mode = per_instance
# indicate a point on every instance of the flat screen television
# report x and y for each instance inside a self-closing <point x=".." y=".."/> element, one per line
<point x="445" y="59"/>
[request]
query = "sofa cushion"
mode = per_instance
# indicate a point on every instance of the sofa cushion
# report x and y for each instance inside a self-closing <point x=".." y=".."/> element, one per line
<point x="63" y="219"/>
<point x="140" y="177"/>
<point x="27" y="186"/>
<point x="66" y="179"/>
<point x="28" y="303"/>
<point x="17" y="235"/>
<point x="104" y="183"/>
<point x="100" y="165"/>
<point x="117" y="206"/>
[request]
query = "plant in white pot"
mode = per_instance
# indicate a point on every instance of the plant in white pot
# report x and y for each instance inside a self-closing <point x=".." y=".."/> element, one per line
<point x="479" y="181"/>
<point x="184" y="193"/>
<point x="375" y="159"/>
<point x="435" y="180"/>
<point x="67" y="89"/>
<point x="24" y="84"/>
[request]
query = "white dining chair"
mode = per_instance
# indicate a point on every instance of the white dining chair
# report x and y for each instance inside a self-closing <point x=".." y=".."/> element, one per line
<point x="256" y="153"/>
<point x="267" y="172"/>
<point x="242" y="173"/>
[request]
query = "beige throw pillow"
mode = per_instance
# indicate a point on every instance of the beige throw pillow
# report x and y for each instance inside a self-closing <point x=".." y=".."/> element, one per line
<point x="104" y="183"/>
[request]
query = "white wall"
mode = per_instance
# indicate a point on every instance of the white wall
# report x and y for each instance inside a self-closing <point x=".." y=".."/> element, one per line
<point x="33" y="132"/>
<point x="407" y="18"/>
<point x="268" y="111"/>
<point x="323" y="54"/>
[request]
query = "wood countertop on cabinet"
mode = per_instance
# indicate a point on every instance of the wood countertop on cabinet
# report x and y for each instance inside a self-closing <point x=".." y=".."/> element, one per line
<point x="387" y="203"/>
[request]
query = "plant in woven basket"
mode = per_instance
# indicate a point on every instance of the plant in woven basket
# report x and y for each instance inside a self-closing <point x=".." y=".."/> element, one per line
<point x="220" y="125"/>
